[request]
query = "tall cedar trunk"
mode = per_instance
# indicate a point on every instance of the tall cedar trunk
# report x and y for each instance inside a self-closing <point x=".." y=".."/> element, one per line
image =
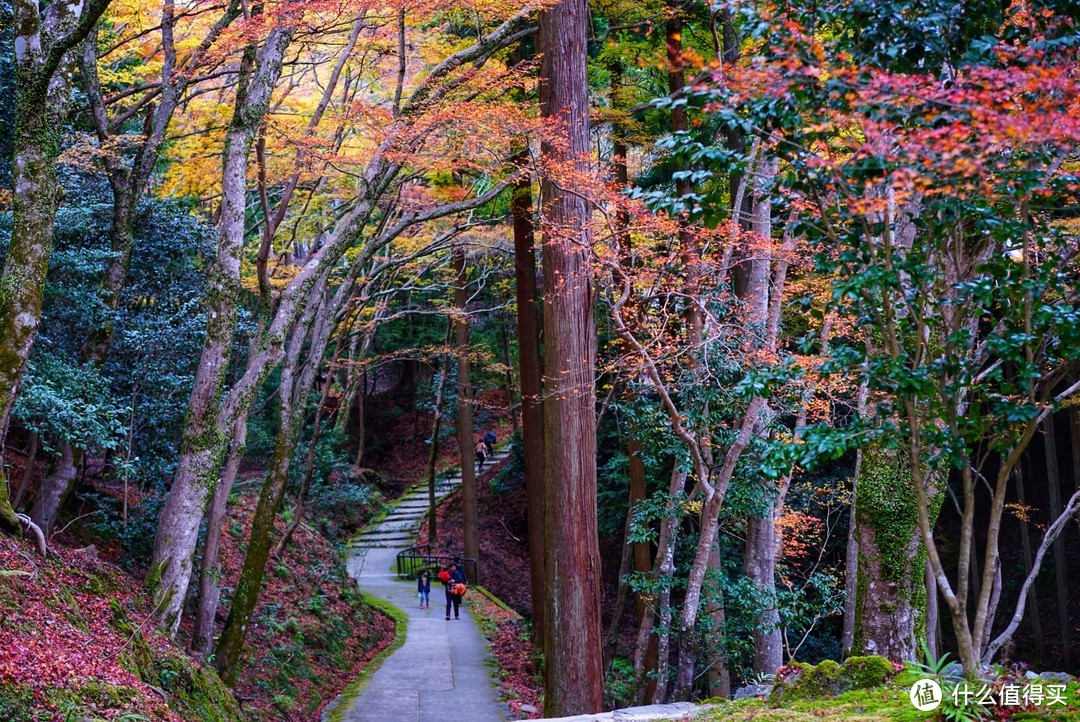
<point x="42" y="96"/>
<point x="470" y="514"/>
<point x="210" y="568"/>
<point x="1061" y="564"/>
<point x="573" y="670"/>
<point x="642" y="554"/>
<point x="201" y="450"/>
<point x="890" y="598"/>
<point x="642" y="565"/>
<point x="504" y="338"/>
<point x="1032" y="596"/>
<point x="532" y="407"/>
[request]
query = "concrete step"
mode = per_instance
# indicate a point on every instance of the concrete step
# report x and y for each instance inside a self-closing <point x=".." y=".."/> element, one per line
<point x="362" y="541"/>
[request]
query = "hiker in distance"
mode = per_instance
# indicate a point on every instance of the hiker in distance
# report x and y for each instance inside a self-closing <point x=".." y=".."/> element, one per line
<point x="481" y="453"/>
<point x="489" y="441"/>
<point x="453" y="579"/>
<point x="423" y="588"/>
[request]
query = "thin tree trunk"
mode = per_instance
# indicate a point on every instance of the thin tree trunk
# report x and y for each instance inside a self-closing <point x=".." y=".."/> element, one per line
<point x="933" y="617"/>
<point x="719" y="675"/>
<point x="56" y="487"/>
<point x="292" y="394"/>
<point x="210" y="569"/>
<point x="470" y="514"/>
<point x="642" y="553"/>
<point x="433" y="451"/>
<point x="662" y="570"/>
<point x="532" y="408"/>
<point x="574" y="674"/>
<point x="361" y="424"/>
<point x="759" y="565"/>
<point x="309" y="463"/>
<point x="1061" y="570"/>
<point x="625" y="562"/>
<point x="851" y="566"/>
<point x="244" y="599"/>
<point x="504" y="336"/>
<point x="200" y="455"/>
<point x="851" y="561"/>
<point x="28" y="470"/>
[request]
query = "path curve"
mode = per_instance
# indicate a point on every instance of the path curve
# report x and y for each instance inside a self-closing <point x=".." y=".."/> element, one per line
<point x="442" y="671"/>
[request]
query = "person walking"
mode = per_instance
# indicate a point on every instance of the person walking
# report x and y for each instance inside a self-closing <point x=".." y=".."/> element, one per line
<point x="480" y="452"/>
<point x="452" y="578"/>
<point x="489" y="441"/>
<point x="423" y="589"/>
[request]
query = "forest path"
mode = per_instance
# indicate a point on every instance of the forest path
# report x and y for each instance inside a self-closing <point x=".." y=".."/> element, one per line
<point x="442" y="671"/>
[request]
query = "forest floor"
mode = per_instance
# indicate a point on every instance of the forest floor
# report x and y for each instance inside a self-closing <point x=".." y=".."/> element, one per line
<point x="309" y="635"/>
<point x="890" y="702"/>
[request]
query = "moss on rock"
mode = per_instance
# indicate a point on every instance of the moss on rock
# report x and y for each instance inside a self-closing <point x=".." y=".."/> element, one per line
<point x="801" y="681"/>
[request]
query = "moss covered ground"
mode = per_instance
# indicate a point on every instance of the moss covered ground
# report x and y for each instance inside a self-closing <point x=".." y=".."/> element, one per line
<point x="888" y="701"/>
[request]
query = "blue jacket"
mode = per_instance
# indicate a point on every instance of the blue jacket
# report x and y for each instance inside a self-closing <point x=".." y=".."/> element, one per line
<point x="421" y="586"/>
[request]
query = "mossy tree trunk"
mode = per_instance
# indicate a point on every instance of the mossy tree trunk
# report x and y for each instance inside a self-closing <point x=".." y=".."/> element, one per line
<point x="890" y="589"/>
<point x="203" y="444"/>
<point x="211" y="413"/>
<point x="298" y="376"/>
<point x="127" y="181"/>
<point x="43" y="44"/>
<point x="210" y="569"/>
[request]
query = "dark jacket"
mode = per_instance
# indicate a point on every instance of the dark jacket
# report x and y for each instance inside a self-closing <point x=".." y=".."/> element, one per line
<point x="456" y="576"/>
<point x="421" y="585"/>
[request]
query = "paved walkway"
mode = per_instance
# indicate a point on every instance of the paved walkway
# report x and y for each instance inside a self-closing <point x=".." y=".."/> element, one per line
<point x="442" y="673"/>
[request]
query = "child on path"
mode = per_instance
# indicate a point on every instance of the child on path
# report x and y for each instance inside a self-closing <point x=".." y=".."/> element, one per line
<point x="453" y="577"/>
<point x="423" y="588"/>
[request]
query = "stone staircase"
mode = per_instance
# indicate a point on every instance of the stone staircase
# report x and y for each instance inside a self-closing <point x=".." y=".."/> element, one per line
<point x="398" y="529"/>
